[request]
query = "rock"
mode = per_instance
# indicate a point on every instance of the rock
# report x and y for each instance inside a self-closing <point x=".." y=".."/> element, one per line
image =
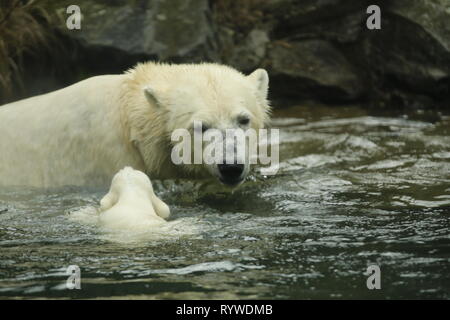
<point x="225" y="38"/>
<point x="313" y="69"/>
<point x="117" y="34"/>
<point x="165" y="30"/>
<point x="249" y="54"/>
<point x="410" y="55"/>
<point x="313" y="49"/>
<point x="432" y="15"/>
<point x="336" y="20"/>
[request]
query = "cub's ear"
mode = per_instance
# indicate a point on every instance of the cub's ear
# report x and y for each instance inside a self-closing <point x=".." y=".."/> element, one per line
<point x="152" y="96"/>
<point x="261" y="79"/>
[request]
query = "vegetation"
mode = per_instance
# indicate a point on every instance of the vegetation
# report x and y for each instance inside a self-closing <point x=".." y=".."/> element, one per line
<point x="24" y="30"/>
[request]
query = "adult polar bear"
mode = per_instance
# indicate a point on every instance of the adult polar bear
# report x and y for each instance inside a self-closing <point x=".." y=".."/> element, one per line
<point x="85" y="133"/>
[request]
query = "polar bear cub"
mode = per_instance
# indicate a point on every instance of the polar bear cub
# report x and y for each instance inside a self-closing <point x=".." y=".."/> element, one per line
<point x="131" y="203"/>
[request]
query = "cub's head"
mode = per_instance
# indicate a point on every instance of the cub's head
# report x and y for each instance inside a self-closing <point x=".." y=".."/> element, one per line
<point x="202" y="110"/>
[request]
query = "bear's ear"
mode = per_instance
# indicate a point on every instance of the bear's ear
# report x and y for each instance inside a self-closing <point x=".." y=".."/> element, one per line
<point x="261" y="79"/>
<point x="152" y="96"/>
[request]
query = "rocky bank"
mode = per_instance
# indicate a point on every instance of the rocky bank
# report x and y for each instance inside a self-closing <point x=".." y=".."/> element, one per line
<point x="313" y="49"/>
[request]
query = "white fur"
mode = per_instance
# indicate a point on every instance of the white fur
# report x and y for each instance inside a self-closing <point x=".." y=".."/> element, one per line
<point x="131" y="204"/>
<point x="85" y="133"/>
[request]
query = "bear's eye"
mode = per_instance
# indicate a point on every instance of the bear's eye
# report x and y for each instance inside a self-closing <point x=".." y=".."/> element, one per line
<point x="244" y="121"/>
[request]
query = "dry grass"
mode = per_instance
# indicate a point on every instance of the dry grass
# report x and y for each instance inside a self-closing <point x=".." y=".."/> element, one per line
<point x="24" y="27"/>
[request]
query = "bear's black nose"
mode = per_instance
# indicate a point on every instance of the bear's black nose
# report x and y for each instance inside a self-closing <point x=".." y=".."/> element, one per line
<point x="231" y="174"/>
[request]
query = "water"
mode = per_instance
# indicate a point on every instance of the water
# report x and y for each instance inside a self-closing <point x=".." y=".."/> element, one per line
<point x="354" y="190"/>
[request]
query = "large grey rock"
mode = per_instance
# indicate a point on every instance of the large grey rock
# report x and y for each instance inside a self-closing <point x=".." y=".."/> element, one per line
<point x="336" y="20"/>
<point x="432" y="15"/>
<point x="313" y="69"/>
<point x="410" y="56"/>
<point x="175" y="29"/>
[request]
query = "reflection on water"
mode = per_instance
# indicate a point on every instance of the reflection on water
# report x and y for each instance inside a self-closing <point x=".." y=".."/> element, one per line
<point x="353" y="190"/>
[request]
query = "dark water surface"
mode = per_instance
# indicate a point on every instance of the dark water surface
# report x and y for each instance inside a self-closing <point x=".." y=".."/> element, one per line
<point x="354" y="190"/>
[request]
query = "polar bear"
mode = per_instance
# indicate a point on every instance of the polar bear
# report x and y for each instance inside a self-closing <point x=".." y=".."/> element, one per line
<point x="83" y="134"/>
<point x="131" y="203"/>
<point x="131" y="212"/>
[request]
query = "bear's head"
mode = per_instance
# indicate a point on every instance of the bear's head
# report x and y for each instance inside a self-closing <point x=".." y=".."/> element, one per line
<point x="184" y="103"/>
